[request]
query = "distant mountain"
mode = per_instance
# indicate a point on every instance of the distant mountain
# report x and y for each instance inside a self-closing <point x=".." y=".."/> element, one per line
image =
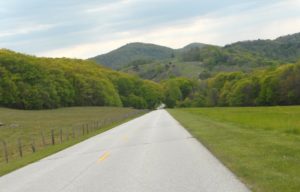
<point x="132" y="52"/>
<point x="196" y="60"/>
<point x="294" y="38"/>
<point x="284" y="49"/>
<point x="193" y="46"/>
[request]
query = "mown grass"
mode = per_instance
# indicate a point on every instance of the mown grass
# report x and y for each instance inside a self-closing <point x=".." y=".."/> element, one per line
<point x="25" y="125"/>
<point x="261" y="145"/>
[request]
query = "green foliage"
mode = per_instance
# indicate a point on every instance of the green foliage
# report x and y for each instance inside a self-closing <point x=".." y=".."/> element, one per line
<point x="136" y="92"/>
<point x="134" y="53"/>
<point x="289" y="86"/>
<point x="284" y="49"/>
<point x="152" y="93"/>
<point x="134" y="101"/>
<point x="204" y="75"/>
<point x="274" y="86"/>
<point x="248" y="54"/>
<point x="172" y="93"/>
<point x="216" y="58"/>
<point x="202" y="61"/>
<point x="244" y="93"/>
<point x="29" y="82"/>
<point x="269" y="90"/>
<point x="177" y="91"/>
<point x="185" y="86"/>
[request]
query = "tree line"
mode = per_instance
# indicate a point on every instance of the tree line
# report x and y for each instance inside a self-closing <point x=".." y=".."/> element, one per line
<point x="28" y="82"/>
<point x="272" y="86"/>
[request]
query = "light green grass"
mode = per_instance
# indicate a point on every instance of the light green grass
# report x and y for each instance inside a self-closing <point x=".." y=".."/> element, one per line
<point x="157" y="71"/>
<point x="29" y="124"/>
<point x="261" y="145"/>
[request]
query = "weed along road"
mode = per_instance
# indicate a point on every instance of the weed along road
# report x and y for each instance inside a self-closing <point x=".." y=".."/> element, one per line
<point x="150" y="153"/>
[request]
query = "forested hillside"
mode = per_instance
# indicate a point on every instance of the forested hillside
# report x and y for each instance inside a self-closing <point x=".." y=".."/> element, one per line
<point x="28" y="82"/>
<point x="247" y="55"/>
<point x="126" y="54"/>
<point x="201" y="60"/>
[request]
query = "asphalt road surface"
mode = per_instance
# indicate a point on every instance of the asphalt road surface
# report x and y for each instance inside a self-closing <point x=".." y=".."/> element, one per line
<point x="151" y="153"/>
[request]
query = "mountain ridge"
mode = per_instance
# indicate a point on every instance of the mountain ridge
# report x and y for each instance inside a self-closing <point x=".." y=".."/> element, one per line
<point x="121" y="57"/>
<point x="157" y="62"/>
<point x="130" y="52"/>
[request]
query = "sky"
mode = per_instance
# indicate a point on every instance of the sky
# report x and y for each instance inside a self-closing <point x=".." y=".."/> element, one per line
<point x="86" y="28"/>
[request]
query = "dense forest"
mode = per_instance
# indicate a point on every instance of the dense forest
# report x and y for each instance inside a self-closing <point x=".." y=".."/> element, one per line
<point x="28" y="82"/>
<point x="273" y="86"/>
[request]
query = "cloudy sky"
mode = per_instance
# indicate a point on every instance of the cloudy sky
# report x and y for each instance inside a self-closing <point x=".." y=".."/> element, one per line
<point x="85" y="28"/>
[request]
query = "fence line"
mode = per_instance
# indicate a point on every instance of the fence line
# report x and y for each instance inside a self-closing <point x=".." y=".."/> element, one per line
<point x="55" y="137"/>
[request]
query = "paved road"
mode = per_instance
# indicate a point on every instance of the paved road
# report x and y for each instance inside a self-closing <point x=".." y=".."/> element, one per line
<point x="152" y="153"/>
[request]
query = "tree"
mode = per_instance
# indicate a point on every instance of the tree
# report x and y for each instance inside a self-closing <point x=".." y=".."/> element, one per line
<point x="244" y="93"/>
<point x="172" y="94"/>
<point x="204" y="75"/>
<point x="269" y="92"/>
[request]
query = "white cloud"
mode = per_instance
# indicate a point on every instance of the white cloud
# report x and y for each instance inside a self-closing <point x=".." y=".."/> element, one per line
<point x="212" y="28"/>
<point x="222" y="27"/>
<point x="109" y="7"/>
<point x="26" y="30"/>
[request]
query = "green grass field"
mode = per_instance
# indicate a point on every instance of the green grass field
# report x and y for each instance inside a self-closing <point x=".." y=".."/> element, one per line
<point x="70" y="126"/>
<point x="261" y="145"/>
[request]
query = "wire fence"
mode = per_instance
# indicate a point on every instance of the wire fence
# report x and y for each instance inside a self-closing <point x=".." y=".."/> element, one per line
<point x="29" y="144"/>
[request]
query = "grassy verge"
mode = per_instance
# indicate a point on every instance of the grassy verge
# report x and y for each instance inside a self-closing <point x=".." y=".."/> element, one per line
<point x="30" y="123"/>
<point x="261" y="145"/>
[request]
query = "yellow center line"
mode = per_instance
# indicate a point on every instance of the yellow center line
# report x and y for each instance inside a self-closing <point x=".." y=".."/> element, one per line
<point x="104" y="156"/>
<point x="125" y="138"/>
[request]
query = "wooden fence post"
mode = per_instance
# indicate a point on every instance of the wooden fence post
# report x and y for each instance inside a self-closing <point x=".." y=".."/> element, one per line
<point x="73" y="132"/>
<point x="60" y="135"/>
<point x="52" y="137"/>
<point x="43" y="138"/>
<point x="33" y="145"/>
<point x="20" y="147"/>
<point x="67" y="134"/>
<point x="5" y="152"/>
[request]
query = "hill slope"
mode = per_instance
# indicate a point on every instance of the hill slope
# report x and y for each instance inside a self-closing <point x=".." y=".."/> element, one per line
<point x="193" y="46"/>
<point x="156" y="62"/>
<point x="294" y="38"/>
<point x="285" y="48"/>
<point x="131" y="52"/>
